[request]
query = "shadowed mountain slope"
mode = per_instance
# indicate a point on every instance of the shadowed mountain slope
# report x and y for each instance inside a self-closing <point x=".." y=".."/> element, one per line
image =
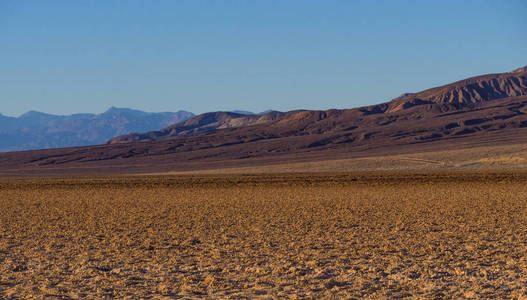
<point x="481" y="111"/>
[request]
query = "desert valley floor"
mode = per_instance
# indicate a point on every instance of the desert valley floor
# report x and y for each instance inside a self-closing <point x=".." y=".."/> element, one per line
<point x="343" y="235"/>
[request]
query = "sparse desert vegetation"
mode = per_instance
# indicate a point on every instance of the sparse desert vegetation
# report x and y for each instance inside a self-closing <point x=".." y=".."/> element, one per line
<point x="436" y="235"/>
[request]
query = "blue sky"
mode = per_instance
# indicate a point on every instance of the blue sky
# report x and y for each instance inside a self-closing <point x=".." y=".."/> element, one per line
<point x="65" y="57"/>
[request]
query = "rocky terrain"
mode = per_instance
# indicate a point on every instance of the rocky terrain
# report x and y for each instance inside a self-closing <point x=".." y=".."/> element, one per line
<point x="373" y="236"/>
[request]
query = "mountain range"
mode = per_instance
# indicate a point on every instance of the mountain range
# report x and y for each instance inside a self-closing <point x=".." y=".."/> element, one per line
<point x="36" y="130"/>
<point x="485" y="110"/>
<point x="468" y="106"/>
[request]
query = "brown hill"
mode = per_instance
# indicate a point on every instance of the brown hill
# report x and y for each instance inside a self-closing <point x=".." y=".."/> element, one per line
<point x="466" y="92"/>
<point x="204" y="123"/>
<point x="480" y="111"/>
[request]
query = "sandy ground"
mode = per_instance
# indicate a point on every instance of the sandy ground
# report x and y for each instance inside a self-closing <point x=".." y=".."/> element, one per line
<point x="273" y="237"/>
<point x="495" y="158"/>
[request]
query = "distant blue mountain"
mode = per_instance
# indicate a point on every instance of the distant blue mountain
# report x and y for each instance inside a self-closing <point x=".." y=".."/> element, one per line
<point x="36" y="130"/>
<point x="243" y="112"/>
<point x="248" y="113"/>
<point x="264" y="112"/>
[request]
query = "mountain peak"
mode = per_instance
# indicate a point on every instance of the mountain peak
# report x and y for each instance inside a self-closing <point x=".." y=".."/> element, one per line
<point x="33" y="114"/>
<point x="114" y="109"/>
<point x="265" y="112"/>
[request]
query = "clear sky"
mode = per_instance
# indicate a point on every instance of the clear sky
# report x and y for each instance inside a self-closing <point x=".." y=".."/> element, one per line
<point x="66" y="57"/>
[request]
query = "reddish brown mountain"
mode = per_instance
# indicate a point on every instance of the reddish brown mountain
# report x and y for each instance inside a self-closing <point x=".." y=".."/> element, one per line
<point x="484" y="110"/>
<point x="203" y="123"/>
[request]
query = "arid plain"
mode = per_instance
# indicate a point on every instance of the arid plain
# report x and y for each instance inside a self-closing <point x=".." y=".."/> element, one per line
<point x="341" y="235"/>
